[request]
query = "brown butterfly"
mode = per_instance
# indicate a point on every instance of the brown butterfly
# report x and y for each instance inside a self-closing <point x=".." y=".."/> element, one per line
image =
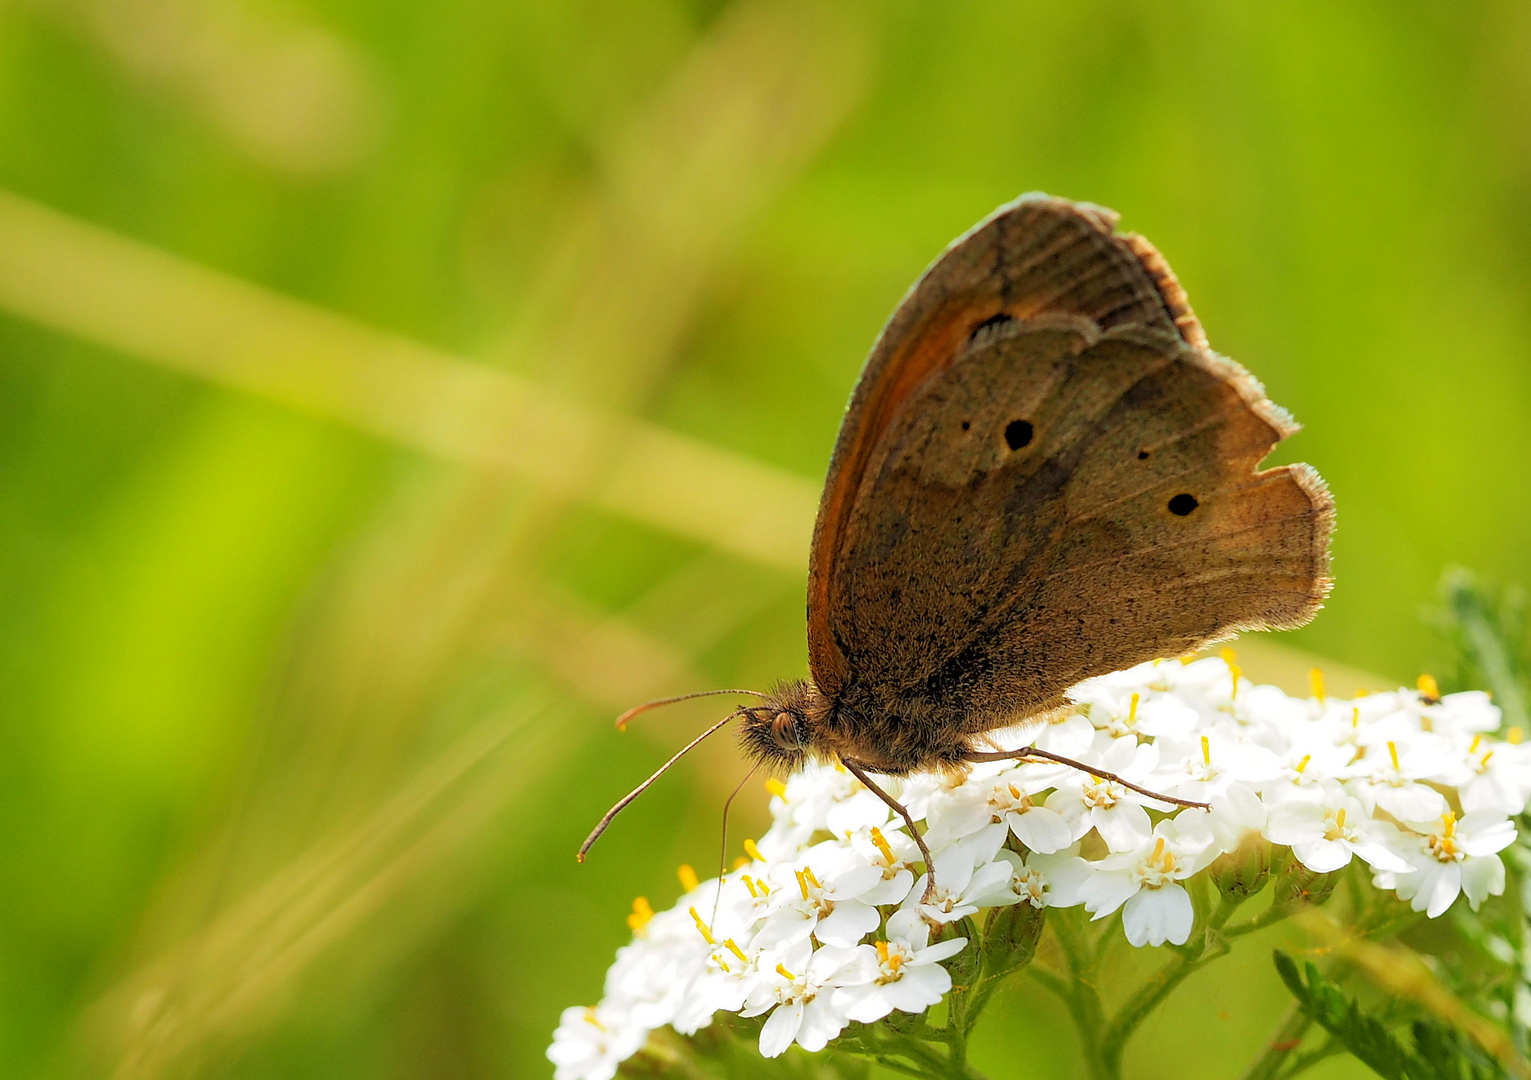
<point x="1044" y="475"/>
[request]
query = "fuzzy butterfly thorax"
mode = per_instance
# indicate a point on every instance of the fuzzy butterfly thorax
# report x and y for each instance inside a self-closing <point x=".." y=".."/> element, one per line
<point x="797" y="722"/>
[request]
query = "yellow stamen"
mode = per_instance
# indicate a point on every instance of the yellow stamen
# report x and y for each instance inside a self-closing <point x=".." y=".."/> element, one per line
<point x="705" y="930"/>
<point x="1187" y="658"/>
<point x="1361" y="691"/>
<point x="882" y="950"/>
<point x="802" y="883"/>
<point x="881" y="843"/>
<point x="741" y="862"/>
<point x="1303" y="764"/>
<point x="1234" y="673"/>
<point x="1514" y="736"/>
<point x="1484" y="762"/>
<point x="729" y="942"/>
<point x="1355" y="716"/>
<point x="1339" y="818"/>
<point x="776" y="787"/>
<point x="1228" y="655"/>
<point x="590" y="1018"/>
<point x="1392" y="749"/>
<point x="1428" y="689"/>
<point x="1132" y="710"/>
<point x="752" y="851"/>
<point x="1449" y="824"/>
<point x="1472" y="747"/>
<point x="724" y="965"/>
<point x="749" y="883"/>
<point x="687" y="875"/>
<point x="808" y="873"/>
<point x="785" y="974"/>
<point x="642" y="913"/>
<point x="1316" y="680"/>
<point x="1206" y="751"/>
<point x="1158" y="849"/>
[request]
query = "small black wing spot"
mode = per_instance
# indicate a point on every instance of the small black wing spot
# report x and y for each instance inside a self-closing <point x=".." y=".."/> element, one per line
<point x="1018" y="434"/>
<point x="1183" y="504"/>
<point x="966" y="424"/>
<point x="1142" y="455"/>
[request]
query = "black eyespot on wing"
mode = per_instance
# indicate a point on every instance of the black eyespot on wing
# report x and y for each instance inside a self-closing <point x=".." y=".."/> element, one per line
<point x="966" y="424"/>
<point x="1183" y="504"/>
<point x="1142" y="455"/>
<point x="989" y="323"/>
<point x="1018" y="433"/>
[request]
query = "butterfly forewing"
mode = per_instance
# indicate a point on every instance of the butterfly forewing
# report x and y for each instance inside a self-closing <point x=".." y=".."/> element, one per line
<point x="1035" y="258"/>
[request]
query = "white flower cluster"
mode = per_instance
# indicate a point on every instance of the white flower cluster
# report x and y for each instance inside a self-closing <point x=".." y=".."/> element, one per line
<point x="1416" y="788"/>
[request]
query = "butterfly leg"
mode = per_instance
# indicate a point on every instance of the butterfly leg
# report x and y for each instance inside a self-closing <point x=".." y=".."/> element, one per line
<point x="1032" y="753"/>
<point x="898" y="808"/>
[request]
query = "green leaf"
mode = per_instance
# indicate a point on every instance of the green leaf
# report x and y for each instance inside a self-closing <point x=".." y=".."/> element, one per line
<point x="1432" y="1050"/>
<point x="1486" y="625"/>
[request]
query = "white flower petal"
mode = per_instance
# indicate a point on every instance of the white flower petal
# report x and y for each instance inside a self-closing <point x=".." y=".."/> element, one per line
<point x="1041" y="830"/>
<point x="1154" y="916"/>
<point x="780" y="1029"/>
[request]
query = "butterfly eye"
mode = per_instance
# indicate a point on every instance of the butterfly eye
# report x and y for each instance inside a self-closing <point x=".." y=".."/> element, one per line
<point x="784" y="731"/>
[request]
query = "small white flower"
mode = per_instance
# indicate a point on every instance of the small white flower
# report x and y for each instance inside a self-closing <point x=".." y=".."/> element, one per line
<point x="1324" y="834"/>
<point x="591" y="1043"/>
<point x="892" y="853"/>
<point x="1495" y="776"/>
<point x="963" y="885"/>
<point x="1044" y="880"/>
<point x="1453" y="857"/>
<point x="830" y="909"/>
<point x="1002" y="801"/>
<point x="1122" y="712"/>
<point x="798" y="991"/>
<point x="1091" y="802"/>
<point x="1147" y="881"/>
<point x="1391" y="774"/>
<point x="904" y="972"/>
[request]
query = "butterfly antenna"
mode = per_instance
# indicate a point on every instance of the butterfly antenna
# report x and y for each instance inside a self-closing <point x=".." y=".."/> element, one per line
<point x="622" y="721"/>
<point x="595" y="834"/>
<point x="723" y="848"/>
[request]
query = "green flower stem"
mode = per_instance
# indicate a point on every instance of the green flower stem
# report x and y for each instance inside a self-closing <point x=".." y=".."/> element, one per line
<point x="1082" y="997"/>
<point x="1289" y="1032"/>
<point x="1159" y="985"/>
<point x="1266" y="918"/>
<point x="921" y="1059"/>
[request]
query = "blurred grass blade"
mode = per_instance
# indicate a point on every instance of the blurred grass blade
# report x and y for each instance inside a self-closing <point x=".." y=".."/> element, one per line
<point x="290" y="93"/>
<point x="224" y="977"/>
<point x="106" y="288"/>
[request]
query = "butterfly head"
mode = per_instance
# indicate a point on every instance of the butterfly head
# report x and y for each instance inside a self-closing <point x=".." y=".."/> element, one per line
<point x="779" y="732"/>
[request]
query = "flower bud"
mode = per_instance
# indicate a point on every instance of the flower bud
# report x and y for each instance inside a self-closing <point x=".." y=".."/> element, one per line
<point x="1297" y="887"/>
<point x="1010" y="936"/>
<point x="964" y="967"/>
<point x="1244" y="871"/>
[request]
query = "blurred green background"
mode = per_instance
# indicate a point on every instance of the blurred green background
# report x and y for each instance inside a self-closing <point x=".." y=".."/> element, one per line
<point x="392" y="391"/>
